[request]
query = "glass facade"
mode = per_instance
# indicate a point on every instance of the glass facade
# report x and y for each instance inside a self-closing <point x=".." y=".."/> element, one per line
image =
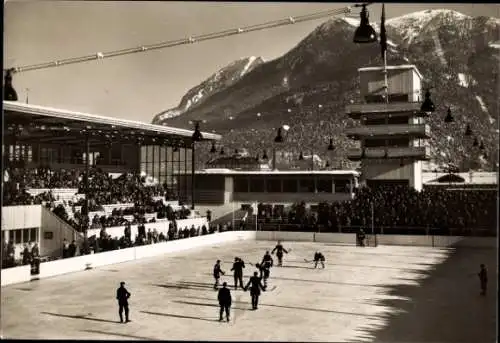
<point x="165" y="164"/>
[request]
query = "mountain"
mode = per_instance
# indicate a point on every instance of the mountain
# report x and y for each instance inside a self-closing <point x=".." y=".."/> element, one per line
<point x="309" y="87"/>
<point x="222" y="79"/>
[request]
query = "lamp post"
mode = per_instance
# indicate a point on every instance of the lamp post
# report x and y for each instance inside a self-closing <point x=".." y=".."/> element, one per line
<point x="278" y="139"/>
<point x="196" y="137"/>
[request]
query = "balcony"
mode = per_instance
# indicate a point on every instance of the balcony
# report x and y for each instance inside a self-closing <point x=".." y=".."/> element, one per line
<point x="418" y="153"/>
<point x="381" y="131"/>
<point x="355" y="111"/>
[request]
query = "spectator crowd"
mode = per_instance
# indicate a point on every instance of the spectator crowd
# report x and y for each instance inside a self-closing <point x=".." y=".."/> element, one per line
<point x="396" y="207"/>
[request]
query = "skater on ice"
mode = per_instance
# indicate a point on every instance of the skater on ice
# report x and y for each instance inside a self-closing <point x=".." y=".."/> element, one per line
<point x="217" y="272"/>
<point x="319" y="258"/>
<point x="255" y="287"/>
<point x="279" y="253"/>
<point x="267" y="260"/>
<point x="225" y="300"/>
<point x="483" y="278"/>
<point x="237" y="269"/>
<point x="360" y="238"/>
<point x="264" y="271"/>
<point x="122" y="296"/>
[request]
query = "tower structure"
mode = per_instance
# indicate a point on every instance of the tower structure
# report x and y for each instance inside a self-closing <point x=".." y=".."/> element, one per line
<point x="393" y="135"/>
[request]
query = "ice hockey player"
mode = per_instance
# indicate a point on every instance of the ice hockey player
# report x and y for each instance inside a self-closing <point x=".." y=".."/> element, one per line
<point x="483" y="278"/>
<point x="267" y="260"/>
<point x="279" y="253"/>
<point x="360" y="238"/>
<point x="319" y="258"/>
<point x="122" y="296"/>
<point x="237" y="269"/>
<point x="225" y="300"/>
<point x="265" y="272"/>
<point x="217" y="272"/>
<point x="255" y="287"/>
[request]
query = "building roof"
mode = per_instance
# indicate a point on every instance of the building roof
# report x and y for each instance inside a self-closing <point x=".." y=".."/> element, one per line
<point x="234" y="160"/>
<point x="399" y="67"/>
<point x="16" y="112"/>
<point x="221" y="171"/>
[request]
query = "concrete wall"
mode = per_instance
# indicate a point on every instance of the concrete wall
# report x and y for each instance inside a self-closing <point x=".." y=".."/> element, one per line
<point x="21" y="217"/>
<point x="81" y="263"/>
<point x="58" y="229"/>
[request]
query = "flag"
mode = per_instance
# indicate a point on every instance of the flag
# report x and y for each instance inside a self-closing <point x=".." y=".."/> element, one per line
<point x="383" y="35"/>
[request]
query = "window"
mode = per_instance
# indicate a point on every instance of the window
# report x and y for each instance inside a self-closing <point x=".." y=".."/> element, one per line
<point x="374" y="121"/>
<point x="289" y="186"/>
<point x="398" y="142"/>
<point x="48" y="235"/>
<point x="18" y="236"/>
<point x="273" y="185"/>
<point x="398" y="120"/>
<point x="342" y="186"/>
<point x="26" y="235"/>
<point x="374" y="143"/>
<point x="257" y="185"/>
<point x="306" y="186"/>
<point x="324" y="185"/>
<point x="240" y="185"/>
<point x="34" y="234"/>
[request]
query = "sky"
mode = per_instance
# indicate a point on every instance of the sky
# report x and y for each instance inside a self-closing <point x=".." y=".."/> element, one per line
<point x="138" y="86"/>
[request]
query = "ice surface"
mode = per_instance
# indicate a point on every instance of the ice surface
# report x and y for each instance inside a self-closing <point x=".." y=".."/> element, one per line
<point x="364" y="294"/>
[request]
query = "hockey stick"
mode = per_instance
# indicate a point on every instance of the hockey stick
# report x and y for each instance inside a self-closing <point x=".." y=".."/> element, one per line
<point x="272" y="289"/>
<point x="308" y="261"/>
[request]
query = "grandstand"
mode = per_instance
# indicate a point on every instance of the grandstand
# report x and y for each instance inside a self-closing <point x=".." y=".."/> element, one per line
<point x="133" y="174"/>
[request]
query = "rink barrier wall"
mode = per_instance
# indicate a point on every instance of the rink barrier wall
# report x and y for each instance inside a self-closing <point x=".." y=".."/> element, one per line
<point x="402" y="240"/>
<point x="80" y="263"/>
<point x="49" y="269"/>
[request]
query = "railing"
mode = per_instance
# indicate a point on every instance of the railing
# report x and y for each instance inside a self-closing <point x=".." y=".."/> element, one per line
<point x="416" y="130"/>
<point x="392" y="152"/>
<point x="356" y="110"/>
<point x="274" y="225"/>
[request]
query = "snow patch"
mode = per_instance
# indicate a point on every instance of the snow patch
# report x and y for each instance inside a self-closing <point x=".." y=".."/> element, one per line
<point x="410" y="25"/>
<point x="351" y="21"/>
<point x="484" y="108"/>
<point x="465" y="80"/>
<point x="494" y="45"/>
<point x="251" y="60"/>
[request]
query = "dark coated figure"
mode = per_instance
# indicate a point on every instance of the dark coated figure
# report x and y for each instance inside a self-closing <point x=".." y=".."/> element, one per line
<point x="217" y="273"/>
<point x="122" y="296"/>
<point x="238" y="267"/>
<point x="267" y="260"/>
<point x="279" y="253"/>
<point x="265" y="272"/>
<point x="360" y="238"/>
<point x="225" y="300"/>
<point x="483" y="279"/>
<point x="319" y="258"/>
<point x="255" y="286"/>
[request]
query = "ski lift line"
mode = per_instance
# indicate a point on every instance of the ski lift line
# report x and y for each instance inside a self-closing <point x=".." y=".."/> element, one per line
<point x="184" y="41"/>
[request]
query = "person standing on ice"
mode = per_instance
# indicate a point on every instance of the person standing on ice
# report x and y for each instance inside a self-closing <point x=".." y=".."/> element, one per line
<point x="238" y="266"/>
<point x="225" y="300"/>
<point x="217" y="272"/>
<point x="255" y="287"/>
<point x="483" y="278"/>
<point x="279" y="253"/>
<point x="122" y="296"/>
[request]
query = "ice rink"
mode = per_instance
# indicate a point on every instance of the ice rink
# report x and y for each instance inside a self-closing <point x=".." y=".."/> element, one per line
<point x="383" y="294"/>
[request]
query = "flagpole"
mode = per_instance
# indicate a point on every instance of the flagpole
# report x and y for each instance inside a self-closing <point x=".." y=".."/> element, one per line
<point x="256" y="217"/>
<point x="383" y="44"/>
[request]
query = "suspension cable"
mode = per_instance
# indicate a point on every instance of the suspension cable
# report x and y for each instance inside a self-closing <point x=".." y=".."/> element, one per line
<point x="189" y="40"/>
